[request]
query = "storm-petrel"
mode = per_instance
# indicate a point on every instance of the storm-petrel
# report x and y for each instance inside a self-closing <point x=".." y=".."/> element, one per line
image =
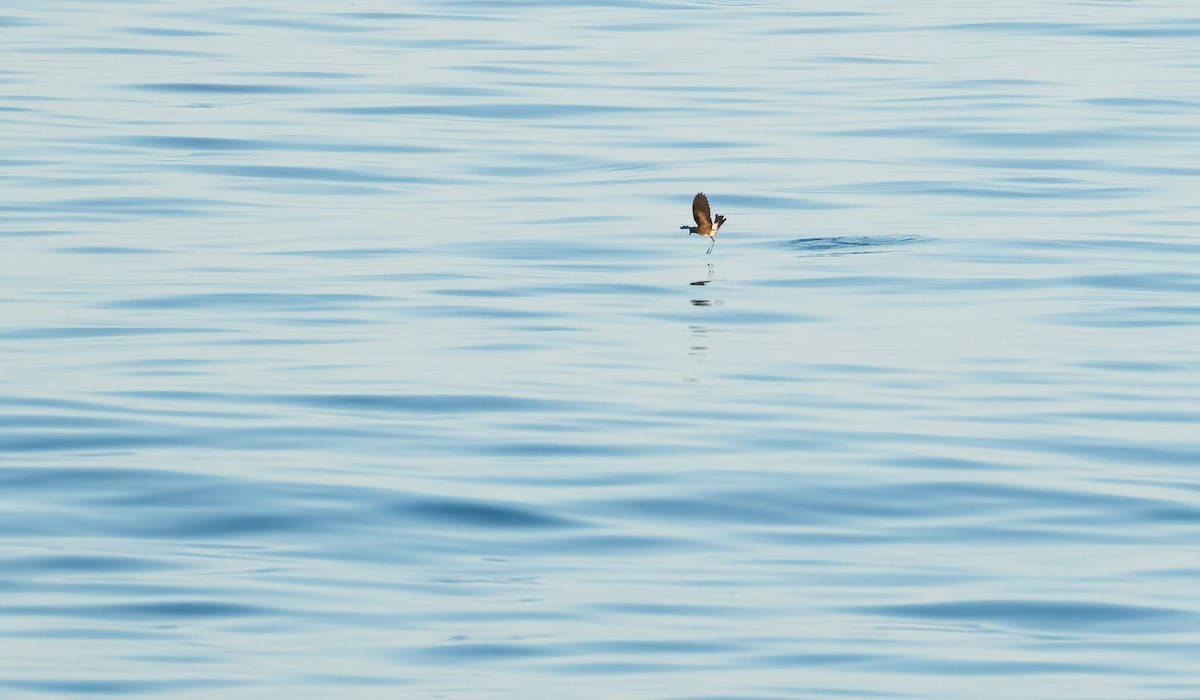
<point x="705" y="225"/>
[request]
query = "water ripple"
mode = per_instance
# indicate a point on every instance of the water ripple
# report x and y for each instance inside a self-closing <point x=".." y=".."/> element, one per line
<point x="221" y="88"/>
<point x="1047" y="616"/>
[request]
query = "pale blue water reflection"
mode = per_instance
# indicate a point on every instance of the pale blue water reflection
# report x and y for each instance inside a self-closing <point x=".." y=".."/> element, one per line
<point x="358" y="352"/>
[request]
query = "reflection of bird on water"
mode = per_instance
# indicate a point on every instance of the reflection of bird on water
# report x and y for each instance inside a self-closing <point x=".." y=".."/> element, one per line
<point x="712" y="274"/>
<point x="705" y="225"/>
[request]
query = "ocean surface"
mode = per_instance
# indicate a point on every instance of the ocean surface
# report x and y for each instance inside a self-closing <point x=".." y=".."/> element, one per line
<point x="354" y="350"/>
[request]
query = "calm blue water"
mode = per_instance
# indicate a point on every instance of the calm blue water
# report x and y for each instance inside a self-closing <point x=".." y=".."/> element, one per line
<point x="354" y="350"/>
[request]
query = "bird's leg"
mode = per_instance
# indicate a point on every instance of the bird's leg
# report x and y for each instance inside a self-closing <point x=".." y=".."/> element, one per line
<point x="710" y="245"/>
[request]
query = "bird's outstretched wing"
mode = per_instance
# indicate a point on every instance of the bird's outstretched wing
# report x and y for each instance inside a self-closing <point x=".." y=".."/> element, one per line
<point x="700" y="211"/>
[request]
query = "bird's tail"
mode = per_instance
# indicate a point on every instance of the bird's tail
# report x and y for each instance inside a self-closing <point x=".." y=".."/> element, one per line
<point x="720" y="220"/>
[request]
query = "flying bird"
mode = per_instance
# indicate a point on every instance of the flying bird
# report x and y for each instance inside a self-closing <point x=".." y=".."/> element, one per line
<point x="705" y="225"/>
